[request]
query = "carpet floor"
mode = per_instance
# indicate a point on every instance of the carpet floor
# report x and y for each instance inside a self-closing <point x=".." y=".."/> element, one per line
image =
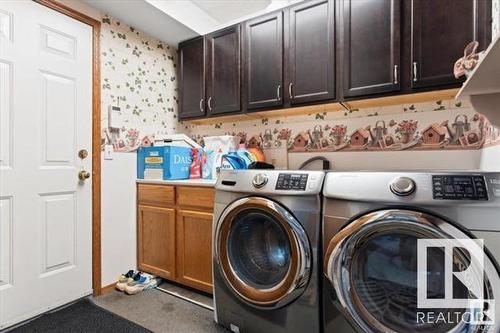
<point x="82" y="316"/>
<point x="161" y="312"/>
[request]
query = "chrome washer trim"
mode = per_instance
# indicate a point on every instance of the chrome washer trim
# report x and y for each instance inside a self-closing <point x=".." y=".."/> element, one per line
<point x="304" y="259"/>
<point x="339" y="255"/>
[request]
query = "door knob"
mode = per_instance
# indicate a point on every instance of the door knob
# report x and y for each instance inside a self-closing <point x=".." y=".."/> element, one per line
<point x="82" y="175"/>
<point x="83" y="153"/>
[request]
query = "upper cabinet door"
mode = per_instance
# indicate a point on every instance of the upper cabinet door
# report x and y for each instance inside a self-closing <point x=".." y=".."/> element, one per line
<point x="192" y="78"/>
<point x="311" y="52"/>
<point x="370" y="44"/>
<point x="439" y="33"/>
<point x="223" y="71"/>
<point x="263" y="69"/>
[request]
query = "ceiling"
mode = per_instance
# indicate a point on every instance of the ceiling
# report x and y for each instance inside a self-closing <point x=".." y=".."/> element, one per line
<point x="229" y="10"/>
<point x="173" y="21"/>
<point x="146" y="18"/>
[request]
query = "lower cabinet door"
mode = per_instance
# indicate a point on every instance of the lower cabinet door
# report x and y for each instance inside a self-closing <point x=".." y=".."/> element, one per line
<point x="194" y="249"/>
<point x="156" y="241"/>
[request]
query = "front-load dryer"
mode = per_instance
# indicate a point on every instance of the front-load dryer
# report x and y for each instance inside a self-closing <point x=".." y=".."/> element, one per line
<point x="398" y="255"/>
<point x="265" y="251"/>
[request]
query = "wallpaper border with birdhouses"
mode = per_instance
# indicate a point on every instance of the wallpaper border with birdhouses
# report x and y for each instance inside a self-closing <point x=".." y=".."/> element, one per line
<point x="439" y="125"/>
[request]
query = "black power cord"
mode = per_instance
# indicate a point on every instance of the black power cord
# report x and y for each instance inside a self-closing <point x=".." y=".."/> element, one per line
<point x="326" y="162"/>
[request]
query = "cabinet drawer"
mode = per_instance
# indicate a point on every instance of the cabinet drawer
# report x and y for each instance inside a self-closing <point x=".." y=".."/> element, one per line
<point x="202" y="197"/>
<point x="156" y="195"/>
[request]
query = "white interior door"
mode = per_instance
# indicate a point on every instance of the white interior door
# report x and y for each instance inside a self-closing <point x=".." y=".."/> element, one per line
<point x="45" y="119"/>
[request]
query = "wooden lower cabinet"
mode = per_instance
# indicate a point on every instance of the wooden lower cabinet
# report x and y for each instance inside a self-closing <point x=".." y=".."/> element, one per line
<point x="194" y="249"/>
<point x="174" y="233"/>
<point x="156" y="234"/>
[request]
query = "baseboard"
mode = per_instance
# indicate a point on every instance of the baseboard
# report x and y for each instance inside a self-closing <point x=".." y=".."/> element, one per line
<point x="107" y="289"/>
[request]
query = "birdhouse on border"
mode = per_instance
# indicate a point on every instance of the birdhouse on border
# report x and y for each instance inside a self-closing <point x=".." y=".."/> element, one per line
<point x="147" y="142"/>
<point x="360" y="137"/>
<point x="434" y="134"/>
<point x="301" y="141"/>
<point x="255" y="142"/>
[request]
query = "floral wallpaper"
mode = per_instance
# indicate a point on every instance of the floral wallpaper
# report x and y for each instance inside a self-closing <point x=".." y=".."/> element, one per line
<point x="439" y="125"/>
<point x="138" y="74"/>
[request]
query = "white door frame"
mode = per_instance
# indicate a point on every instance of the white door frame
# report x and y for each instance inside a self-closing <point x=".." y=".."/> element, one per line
<point x="96" y="135"/>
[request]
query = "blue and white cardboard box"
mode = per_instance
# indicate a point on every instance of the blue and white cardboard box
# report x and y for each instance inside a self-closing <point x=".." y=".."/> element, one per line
<point x="165" y="162"/>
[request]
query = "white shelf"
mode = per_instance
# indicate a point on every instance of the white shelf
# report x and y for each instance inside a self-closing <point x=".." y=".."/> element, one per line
<point x="485" y="78"/>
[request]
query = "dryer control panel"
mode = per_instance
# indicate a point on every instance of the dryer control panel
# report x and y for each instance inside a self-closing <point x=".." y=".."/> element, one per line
<point x="292" y="181"/>
<point x="459" y="187"/>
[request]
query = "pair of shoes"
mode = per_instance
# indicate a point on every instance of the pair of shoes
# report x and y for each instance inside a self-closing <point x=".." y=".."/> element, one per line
<point x="142" y="281"/>
<point x="126" y="278"/>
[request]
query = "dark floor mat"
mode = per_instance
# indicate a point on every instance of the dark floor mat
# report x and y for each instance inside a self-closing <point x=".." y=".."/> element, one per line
<point x="82" y="316"/>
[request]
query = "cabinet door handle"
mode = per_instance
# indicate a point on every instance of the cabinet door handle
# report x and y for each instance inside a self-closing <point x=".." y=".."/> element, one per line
<point x="415" y="78"/>
<point x="278" y="92"/>
<point x="201" y="105"/>
<point x="396" y="74"/>
<point x="290" y="86"/>
<point x="209" y="103"/>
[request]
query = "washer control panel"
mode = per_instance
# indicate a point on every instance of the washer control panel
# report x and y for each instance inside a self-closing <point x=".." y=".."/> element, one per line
<point x="292" y="181"/>
<point x="459" y="187"/>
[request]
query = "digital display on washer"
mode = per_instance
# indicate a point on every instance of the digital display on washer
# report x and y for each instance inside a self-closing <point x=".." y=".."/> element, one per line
<point x="459" y="187"/>
<point x="292" y="181"/>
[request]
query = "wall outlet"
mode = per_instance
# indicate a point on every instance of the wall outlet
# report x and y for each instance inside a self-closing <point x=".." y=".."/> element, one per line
<point x="108" y="152"/>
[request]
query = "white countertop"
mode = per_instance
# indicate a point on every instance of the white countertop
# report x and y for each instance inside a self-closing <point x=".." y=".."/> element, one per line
<point x="183" y="182"/>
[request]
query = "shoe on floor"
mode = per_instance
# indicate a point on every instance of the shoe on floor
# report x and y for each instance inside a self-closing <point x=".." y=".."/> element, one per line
<point x="146" y="281"/>
<point x="126" y="278"/>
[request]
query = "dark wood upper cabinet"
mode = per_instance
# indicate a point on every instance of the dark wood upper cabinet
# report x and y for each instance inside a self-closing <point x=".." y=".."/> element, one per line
<point x="310" y="58"/>
<point x="439" y="33"/>
<point x="370" y="46"/>
<point x="322" y="50"/>
<point x="192" y="78"/>
<point x="223" y="71"/>
<point x="263" y="62"/>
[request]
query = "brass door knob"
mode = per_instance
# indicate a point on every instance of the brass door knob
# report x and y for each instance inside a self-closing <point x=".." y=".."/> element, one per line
<point x="83" y="154"/>
<point x="82" y="175"/>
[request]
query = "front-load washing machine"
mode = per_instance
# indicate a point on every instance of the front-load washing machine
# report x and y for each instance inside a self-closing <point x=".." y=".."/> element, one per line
<point x="265" y="250"/>
<point x="398" y="255"/>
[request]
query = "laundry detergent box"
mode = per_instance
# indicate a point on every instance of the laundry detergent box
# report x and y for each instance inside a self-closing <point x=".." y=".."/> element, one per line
<point x="164" y="162"/>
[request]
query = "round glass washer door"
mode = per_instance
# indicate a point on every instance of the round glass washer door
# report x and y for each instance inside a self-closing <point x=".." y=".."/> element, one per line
<point x="372" y="266"/>
<point x="263" y="252"/>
